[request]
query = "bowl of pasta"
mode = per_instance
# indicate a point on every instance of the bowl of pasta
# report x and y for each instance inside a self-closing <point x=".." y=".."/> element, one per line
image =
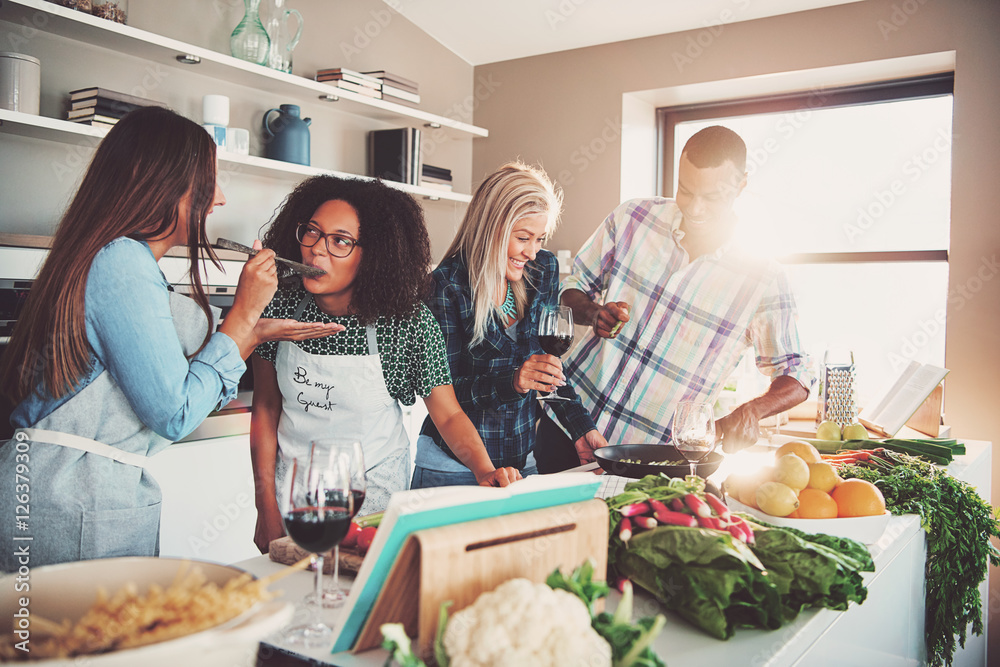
<point x="137" y="611"/>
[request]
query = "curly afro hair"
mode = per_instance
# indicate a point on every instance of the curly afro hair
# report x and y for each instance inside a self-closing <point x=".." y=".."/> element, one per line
<point x="394" y="273"/>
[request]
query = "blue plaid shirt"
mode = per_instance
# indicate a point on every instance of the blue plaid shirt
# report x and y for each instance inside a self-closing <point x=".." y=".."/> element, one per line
<point x="483" y="376"/>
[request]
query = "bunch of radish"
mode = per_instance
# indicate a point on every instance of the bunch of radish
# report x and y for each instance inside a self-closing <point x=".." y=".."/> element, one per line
<point x="687" y="511"/>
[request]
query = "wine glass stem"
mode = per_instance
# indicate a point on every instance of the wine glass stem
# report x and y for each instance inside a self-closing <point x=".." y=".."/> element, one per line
<point x="694" y="468"/>
<point x="317" y="614"/>
<point x="336" y="569"/>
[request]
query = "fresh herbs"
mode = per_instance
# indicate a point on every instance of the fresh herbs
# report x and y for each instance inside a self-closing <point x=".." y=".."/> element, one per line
<point x="718" y="582"/>
<point x="959" y="525"/>
<point x="630" y="641"/>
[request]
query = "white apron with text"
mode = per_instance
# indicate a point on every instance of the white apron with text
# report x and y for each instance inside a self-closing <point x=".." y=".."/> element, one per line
<point x="342" y="397"/>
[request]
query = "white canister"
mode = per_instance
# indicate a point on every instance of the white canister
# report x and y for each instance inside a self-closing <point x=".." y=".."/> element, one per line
<point x="20" y="82"/>
<point x="215" y="110"/>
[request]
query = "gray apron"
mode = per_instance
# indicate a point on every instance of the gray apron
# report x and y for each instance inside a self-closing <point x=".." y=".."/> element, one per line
<point x="88" y="494"/>
<point x="341" y="396"/>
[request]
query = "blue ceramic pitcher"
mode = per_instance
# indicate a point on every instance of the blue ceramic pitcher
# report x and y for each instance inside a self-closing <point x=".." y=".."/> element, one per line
<point x="286" y="136"/>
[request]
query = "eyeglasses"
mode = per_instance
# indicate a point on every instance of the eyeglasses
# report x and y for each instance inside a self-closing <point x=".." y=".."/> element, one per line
<point x="337" y="245"/>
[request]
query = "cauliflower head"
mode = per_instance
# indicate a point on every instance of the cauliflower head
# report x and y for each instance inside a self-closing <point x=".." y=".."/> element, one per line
<point x="525" y="624"/>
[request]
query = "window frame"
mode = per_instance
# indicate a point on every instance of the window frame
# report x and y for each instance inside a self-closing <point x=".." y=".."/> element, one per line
<point x="911" y="88"/>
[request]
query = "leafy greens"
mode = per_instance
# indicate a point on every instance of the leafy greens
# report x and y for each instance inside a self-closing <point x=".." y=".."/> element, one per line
<point x="719" y="583"/>
<point x="959" y="525"/>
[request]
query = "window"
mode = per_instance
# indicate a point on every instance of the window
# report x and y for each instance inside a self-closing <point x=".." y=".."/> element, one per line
<point x="851" y="189"/>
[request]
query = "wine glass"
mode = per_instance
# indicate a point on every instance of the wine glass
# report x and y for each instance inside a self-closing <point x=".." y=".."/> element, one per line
<point x="333" y="595"/>
<point x="317" y="508"/>
<point x="694" y="431"/>
<point x="555" y="334"/>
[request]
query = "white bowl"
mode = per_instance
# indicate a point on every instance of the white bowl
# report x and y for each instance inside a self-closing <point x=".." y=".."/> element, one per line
<point x="864" y="529"/>
<point x="68" y="590"/>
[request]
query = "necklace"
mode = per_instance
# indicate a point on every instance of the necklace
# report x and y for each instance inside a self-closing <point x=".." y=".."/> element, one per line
<point x="509" y="307"/>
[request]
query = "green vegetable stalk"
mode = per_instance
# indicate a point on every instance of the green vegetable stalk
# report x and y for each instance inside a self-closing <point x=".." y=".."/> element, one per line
<point x="959" y="525"/>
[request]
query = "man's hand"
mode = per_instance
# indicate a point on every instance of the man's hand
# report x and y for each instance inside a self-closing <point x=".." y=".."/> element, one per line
<point x="739" y="429"/>
<point x="586" y="445"/>
<point x="610" y="319"/>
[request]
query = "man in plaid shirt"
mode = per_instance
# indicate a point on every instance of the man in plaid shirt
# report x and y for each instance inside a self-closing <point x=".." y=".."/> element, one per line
<point x="673" y="304"/>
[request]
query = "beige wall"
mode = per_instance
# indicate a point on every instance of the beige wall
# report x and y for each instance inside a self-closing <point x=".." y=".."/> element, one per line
<point x="547" y="108"/>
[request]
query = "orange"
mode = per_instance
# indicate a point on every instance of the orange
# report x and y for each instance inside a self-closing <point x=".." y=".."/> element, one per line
<point x="856" y="497"/>
<point x="823" y="476"/>
<point x="802" y="449"/>
<point x="816" y="504"/>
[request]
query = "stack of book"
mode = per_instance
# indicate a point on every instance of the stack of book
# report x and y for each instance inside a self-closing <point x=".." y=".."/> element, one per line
<point x="101" y="107"/>
<point x="348" y="79"/>
<point x="394" y="155"/>
<point x="437" y="178"/>
<point x="396" y="88"/>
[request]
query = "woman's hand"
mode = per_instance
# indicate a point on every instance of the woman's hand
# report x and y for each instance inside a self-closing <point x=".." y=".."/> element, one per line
<point x="541" y="372"/>
<point x="587" y="443"/>
<point x="499" y="477"/>
<point x="269" y="527"/>
<point x="268" y="329"/>
<point x="257" y="285"/>
<point x="258" y="282"/>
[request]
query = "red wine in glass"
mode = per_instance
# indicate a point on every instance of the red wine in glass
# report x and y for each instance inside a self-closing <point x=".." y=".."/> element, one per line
<point x="359" y="500"/>
<point x="318" y="529"/>
<point x="555" y="344"/>
<point x="555" y="335"/>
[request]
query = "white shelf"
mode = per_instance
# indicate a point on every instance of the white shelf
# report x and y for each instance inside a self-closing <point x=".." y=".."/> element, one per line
<point x="124" y="39"/>
<point x="62" y="131"/>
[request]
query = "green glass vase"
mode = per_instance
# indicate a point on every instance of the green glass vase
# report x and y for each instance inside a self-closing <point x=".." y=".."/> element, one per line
<point x="249" y="40"/>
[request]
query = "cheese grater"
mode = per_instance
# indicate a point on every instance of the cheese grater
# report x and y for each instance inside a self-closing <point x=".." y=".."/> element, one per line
<point x="836" y="389"/>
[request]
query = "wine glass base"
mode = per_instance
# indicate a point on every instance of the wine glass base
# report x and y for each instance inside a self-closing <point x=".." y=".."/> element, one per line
<point x="332" y="599"/>
<point x="554" y="399"/>
<point x="314" y="635"/>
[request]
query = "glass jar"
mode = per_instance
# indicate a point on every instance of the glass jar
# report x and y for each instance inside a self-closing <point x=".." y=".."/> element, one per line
<point x="112" y="10"/>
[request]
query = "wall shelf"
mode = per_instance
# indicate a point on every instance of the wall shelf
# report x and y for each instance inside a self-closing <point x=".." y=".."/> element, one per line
<point x="66" y="132"/>
<point x="129" y="41"/>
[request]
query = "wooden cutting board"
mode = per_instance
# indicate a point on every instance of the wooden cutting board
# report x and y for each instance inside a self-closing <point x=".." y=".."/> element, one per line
<point x="285" y="551"/>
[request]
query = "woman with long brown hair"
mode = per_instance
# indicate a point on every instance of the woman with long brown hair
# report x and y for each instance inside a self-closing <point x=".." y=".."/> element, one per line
<point x="106" y="365"/>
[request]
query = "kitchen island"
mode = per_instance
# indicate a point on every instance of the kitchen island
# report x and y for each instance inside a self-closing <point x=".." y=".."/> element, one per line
<point x="888" y="629"/>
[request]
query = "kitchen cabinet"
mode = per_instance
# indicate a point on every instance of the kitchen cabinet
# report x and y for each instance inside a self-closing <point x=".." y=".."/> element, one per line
<point x="47" y="155"/>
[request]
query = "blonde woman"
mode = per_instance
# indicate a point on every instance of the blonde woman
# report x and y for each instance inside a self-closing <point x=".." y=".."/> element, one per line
<point x="488" y="294"/>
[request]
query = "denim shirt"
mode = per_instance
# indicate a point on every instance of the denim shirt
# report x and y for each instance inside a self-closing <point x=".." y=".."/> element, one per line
<point x="131" y="334"/>
<point x="483" y="375"/>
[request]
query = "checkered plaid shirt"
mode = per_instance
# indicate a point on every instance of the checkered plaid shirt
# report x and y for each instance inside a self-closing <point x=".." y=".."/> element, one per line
<point x="690" y="322"/>
<point x="483" y="375"/>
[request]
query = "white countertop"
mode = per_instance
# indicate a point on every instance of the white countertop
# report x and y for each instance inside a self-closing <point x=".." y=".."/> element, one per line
<point x="681" y="644"/>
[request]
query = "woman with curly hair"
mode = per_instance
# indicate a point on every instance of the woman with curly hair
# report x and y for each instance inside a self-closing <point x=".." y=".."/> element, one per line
<point x="371" y="241"/>
<point x="488" y="296"/>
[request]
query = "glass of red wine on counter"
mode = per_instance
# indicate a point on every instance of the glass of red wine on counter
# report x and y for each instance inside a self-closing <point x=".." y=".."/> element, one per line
<point x="555" y="334"/>
<point x="334" y="595"/>
<point x="317" y="511"/>
<point x="693" y="431"/>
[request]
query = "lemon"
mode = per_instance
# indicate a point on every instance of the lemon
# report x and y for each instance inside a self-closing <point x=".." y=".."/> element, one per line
<point x="802" y="449"/>
<point x="792" y="471"/>
<point x="823" y="476"/>
<point x="777" y="499"/>
<point x="855" y="432"/>
<point x="828" y="430"/>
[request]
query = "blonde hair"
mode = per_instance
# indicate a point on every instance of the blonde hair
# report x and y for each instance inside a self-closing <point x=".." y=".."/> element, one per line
<point x="511" y="193"/>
